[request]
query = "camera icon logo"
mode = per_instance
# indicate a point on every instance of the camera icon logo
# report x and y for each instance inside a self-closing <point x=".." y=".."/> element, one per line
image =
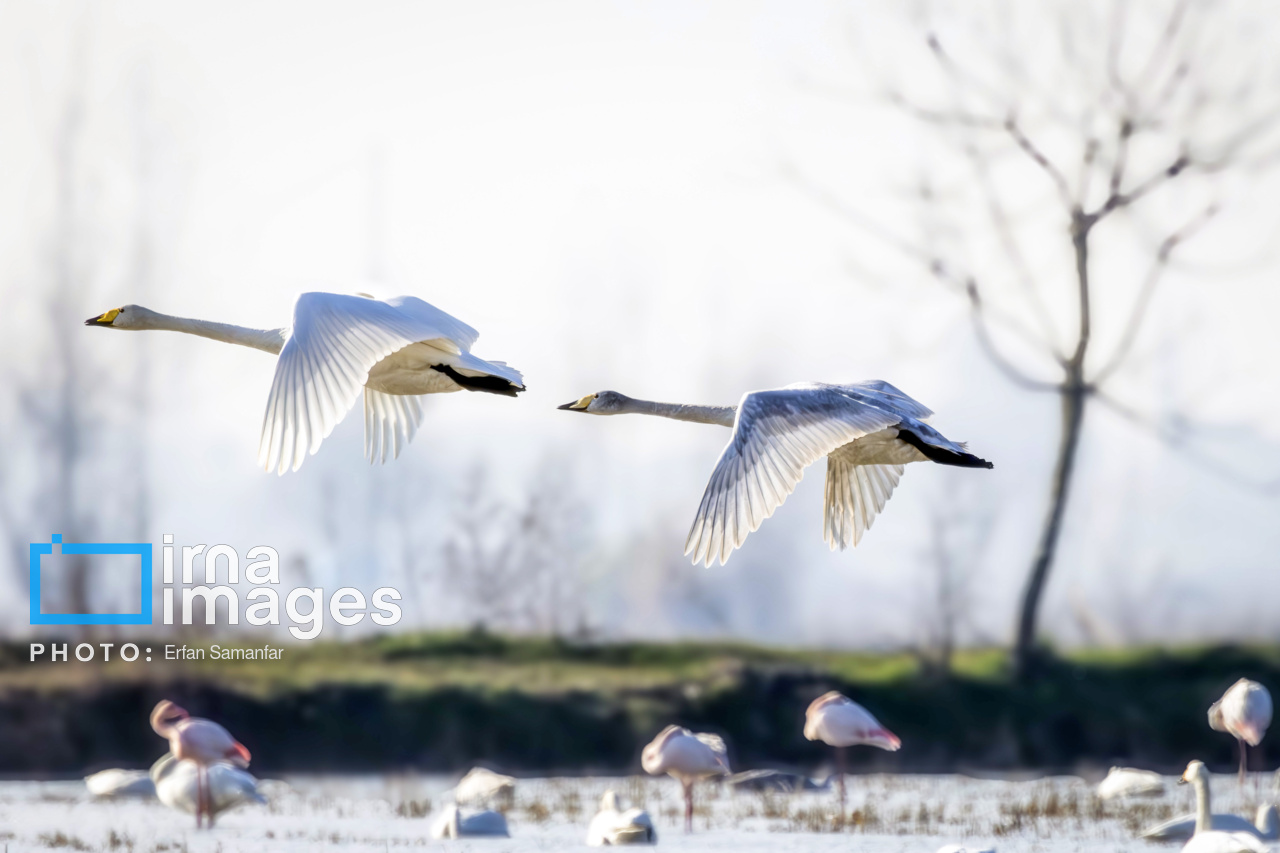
<point x="139" y="549"/>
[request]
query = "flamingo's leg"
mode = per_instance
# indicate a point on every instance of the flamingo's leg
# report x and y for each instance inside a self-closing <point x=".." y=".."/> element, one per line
<point x="840" y="777"/>
<point x="1244" y="761"/>
<point x="199" y="796"/>
<point x="688" y="805"/>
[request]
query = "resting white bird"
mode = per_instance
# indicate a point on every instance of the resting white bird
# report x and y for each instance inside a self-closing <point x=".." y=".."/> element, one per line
<point x="686" y="757"/>
<point x="1266" y="825"/>
<point x="451" y="824"/>
<point x="611" y="826"/>
<point x="867" y="431"/>
<point x="120" y="783"/>
<point x="482" y="787"/>
<point x="394" y="350"/>
<point x="1244" y="711"/>
<point x="838" y="721"/>
<point x="178" y="786"/>
<point x="1130" y="782"/>
<point x="1206" y="839"/>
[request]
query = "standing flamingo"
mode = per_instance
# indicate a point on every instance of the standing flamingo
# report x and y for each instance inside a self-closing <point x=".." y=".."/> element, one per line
<point x="838" y="721"/>
<point x="687" y="757"/>
<point x="1244" y="711"/>
<point x="201" y="741"/>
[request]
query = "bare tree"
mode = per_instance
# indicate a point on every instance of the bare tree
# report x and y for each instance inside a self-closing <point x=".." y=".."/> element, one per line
<point x="1060" y="128"/>
<point x="959" y="529"/>
<point x="518" y="567"/>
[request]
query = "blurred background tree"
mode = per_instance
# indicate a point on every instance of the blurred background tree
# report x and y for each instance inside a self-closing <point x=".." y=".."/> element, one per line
<point x="1074" y="149"/>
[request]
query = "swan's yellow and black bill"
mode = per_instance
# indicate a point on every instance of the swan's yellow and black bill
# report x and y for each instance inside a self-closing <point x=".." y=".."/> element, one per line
<point x="103" y="319"/>
<point x="578" y="405"/>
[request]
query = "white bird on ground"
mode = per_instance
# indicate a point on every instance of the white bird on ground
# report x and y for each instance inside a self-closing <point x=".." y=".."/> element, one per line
<point x="1266" y="825"/>
<point x="452" y="824"/>
<point x="1130" y="782"/>
<point x="611" y="826"/>
<point x="1244" y="712"/>
<point x="867" y="431"/>
<point x="838" y="721"/>
<point x="178" y="785"/>
<point x="482" y="787"/>
<point x="960" y="848"/>
<point x="394" y="350"/>
<point x="120" y="783"/>
<point x="1206" y="839"/>
<point x="686" y="757"/>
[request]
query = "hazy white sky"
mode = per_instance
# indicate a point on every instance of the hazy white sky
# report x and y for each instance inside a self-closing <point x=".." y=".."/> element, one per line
<point x="600" y="189"/>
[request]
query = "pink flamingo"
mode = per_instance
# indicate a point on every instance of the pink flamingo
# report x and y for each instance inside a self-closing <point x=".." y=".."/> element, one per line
<point x="686" y="757"/>
<point x="838" y="721"/>
<point x="201" y="741"/>
<point x="1245" y="712"/>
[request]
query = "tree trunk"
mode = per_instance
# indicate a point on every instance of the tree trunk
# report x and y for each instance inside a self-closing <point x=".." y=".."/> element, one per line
<point x="1074" y="397"/>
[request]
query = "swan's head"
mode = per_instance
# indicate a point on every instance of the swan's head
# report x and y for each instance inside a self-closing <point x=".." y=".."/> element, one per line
<point x="600" y="403"/>
<point x="1195" y="772"/>
<point x="124" y="317"/>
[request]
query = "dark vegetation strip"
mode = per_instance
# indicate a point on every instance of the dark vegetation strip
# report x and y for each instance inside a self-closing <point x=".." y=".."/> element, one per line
<point x="1145" y="708"/>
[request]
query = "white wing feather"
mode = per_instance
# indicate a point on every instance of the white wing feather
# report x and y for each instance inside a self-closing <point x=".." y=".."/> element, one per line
<point x="855" y="496"/>
<point x="334" y="342"/>
<point x="390" y="421"/>
<point x="776" y="435"/>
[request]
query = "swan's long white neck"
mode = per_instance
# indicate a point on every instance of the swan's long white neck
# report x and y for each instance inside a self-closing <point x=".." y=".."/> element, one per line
<point x="722" y="415"/>
<point x="1204" y="819"/>
<point x="267" y="340"/>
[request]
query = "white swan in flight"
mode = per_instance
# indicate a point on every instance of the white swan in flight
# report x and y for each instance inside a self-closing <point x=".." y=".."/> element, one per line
<point x="867" y="431"/>
<point x="395" y="350"/>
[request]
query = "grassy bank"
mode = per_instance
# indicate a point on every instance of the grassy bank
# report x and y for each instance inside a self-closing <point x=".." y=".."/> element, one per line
<point x="444" y="701"/>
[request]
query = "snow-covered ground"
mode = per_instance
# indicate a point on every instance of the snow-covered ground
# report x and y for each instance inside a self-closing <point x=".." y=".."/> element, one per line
<point x="383" y="813"/>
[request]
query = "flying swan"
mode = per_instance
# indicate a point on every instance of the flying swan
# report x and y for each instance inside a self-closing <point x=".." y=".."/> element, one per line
<point x="395" y="349"/>
<point x="868" y="431"/>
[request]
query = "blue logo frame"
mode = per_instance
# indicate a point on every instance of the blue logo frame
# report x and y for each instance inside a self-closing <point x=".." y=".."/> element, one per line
<point x="142" y="549"/>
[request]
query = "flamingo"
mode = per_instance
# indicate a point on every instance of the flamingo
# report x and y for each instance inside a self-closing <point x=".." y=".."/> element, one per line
<point x="686" y="757"/>
<point x="201" y="741"/>
<point x="1244" y="712"/>
<point x="838" y="721"/>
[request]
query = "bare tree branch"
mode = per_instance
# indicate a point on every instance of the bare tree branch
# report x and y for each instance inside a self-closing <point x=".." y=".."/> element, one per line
<point x="1005" y="366"/>
<point x="1013" y="250"/>
<point x="933" y="263"/>
<point x="1152" y="279"/>
<point x="1177" y="438"/>
<point x="1059" y="181"/>
<point x="1118" y="200"/>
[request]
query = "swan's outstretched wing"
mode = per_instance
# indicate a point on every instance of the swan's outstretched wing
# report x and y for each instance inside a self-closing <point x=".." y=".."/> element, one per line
<point x="776" y="435"/>
<point x="334" y="342"/>
<point x="855" y="495"/>
<point x="882" y="394"/>
<point x="390" y="421"/>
